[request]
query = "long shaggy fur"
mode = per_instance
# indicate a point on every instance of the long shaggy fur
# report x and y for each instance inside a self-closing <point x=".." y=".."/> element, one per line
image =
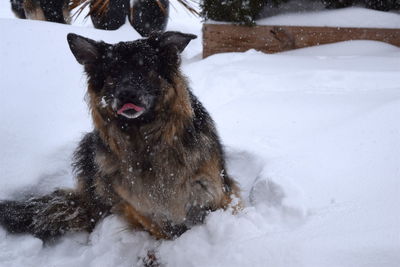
<point x="162" y="169"/>
<point x="52" y="215"/>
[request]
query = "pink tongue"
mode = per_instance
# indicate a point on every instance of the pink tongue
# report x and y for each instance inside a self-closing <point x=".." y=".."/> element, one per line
<point x="129" y="106"/>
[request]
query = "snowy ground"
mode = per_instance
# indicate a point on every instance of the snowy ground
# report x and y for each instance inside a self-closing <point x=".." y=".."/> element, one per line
<point x="315" y="132"/>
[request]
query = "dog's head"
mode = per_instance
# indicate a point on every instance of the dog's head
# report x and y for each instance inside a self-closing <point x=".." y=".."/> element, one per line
<point x="127" y="79"/>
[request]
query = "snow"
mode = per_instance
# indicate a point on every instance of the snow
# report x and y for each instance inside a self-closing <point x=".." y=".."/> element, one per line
<point x="312" y="135"/>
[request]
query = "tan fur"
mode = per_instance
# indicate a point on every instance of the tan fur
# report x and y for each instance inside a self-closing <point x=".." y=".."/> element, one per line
<point x="101" y="120"/>
<point x="138" y="221"/>
<point x="33" y="11"/>
<point x="177" y="101"/>
<point x="66" y="14"/>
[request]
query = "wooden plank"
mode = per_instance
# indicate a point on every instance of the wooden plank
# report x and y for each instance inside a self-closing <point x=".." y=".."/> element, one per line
<point x="221" y="38"/>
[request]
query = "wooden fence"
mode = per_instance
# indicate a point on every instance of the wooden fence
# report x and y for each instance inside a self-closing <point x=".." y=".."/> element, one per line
<point x="221" y="38"/>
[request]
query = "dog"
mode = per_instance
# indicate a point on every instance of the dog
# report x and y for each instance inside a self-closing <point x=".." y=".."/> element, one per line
<point x="46" y="10"/>
<point x="149" y="16"/>
<point x="17" y="7"/>
<point x="105" y="15"/>
<point x="154" y="157"/>
<point x="145" y="16"/>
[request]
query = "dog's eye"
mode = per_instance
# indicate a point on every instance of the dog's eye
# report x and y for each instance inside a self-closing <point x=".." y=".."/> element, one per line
<point x="109" y="82"/>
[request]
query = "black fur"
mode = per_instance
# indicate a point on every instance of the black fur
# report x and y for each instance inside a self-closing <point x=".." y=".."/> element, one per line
<point x="17" y="6"/>
<point x="53" y="10"/>
<point x="52" y="215"/>
<point x="48" y="10"/>
<point x="149" y="16"/>
<point x="146" y="16"/>
<point x="113" y="18"/>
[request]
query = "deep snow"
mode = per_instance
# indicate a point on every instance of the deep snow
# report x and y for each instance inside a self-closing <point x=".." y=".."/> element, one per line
<point x="312" y="136"/>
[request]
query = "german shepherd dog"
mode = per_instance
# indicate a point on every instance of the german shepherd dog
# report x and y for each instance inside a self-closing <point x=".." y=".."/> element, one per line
<point x="46" y="10"/>
<point x="154" y="156"/>
<point x="146" y="16"/>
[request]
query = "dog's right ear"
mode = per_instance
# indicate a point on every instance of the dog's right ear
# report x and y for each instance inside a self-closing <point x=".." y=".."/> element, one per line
<point x="85" y="50"/>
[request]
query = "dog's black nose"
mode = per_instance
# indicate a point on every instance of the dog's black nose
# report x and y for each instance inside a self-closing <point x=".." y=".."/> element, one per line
<point x="127" y="95"/>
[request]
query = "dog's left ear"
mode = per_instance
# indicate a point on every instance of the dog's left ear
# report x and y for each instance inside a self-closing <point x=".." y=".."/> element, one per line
<point x="171" y="39"/>
<point x="85" y="50"/>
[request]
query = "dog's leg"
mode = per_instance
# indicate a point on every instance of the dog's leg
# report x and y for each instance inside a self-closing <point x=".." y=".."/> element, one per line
<point x="17" y="6"/>
<point x="139" y="221"/>
<point x="53" y="10"/>
<point x="33" y="10"/>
